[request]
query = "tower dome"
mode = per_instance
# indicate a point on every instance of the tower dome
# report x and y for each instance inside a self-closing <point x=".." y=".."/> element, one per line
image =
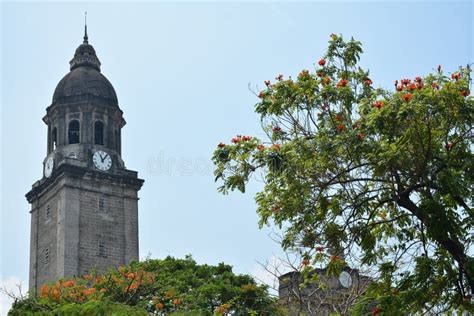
<point x="85" y="81"/>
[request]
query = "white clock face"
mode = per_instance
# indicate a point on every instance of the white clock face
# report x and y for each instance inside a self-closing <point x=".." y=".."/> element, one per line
<point x="48" y="167"/>
<point x="345" y="279"/>
<point x="102" y="160"/>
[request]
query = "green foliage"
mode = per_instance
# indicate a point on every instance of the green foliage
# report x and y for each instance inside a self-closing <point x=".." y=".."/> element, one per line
<point x="387" y="174"/>
<point x="169" y="286"/>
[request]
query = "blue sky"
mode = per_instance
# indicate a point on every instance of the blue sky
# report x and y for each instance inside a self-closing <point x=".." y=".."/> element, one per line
<point x="181" y="72"/>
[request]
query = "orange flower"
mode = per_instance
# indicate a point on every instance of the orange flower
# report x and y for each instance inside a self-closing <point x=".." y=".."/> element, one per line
<point x="305" y="262"/>
<point x="69" y="283"/>
<point x="378" y="104"/>
<point x="260" y="94"/>
<point x="319" y="74"/>
<point x="342" y="83"/>
<point x="322" y="62"/>
<point x="275" y="146"/>
<point x="133" y="286"/>
<point x="435" y="85"/>
<point x="448" y="146"/>
<point x="89" y="291"/>
<point x="303" y="73"/>
<point x="399" y="88"/>
<point x="222" y="309"/>
<point x="339" y="118"/>
<point x="407" y="97"/>
<point x="340" y="127"/>
<point x="411" y="87"/>
<point x="465" y="92"/>
<point x="261" y="147"/>
<point x="176" y="301"/>
<point x="236" y="140"/>
<point x="88" y="277"/>
<point x="368" y="82"/>
<point x="56" y="294"/>
<point x="221" y="145"/>
<point x="456" y="76"/>
<point x="44" y="291"/>
<point x="360" y="136"/>
<point x="159" y="306"/>
<point x="326" y="80"/>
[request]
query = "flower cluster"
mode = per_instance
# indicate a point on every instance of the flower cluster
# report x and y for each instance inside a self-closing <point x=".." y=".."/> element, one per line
<point x="406" y="84"/>
<point x="407" y="97"/>
<point x="239" y="139"/>
<point x="304" y="74"/>
<point x="342" y="83"/>
<point x="224" y="308"/>
<point x="378" y="104"/>
<point x="456" y="76"/>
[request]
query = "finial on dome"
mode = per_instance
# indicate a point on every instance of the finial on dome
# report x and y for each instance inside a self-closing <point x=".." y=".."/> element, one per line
<point x="86" y="38"/>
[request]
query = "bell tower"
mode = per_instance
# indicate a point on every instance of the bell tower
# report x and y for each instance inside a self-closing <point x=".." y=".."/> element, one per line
<point x="84" y="210"/>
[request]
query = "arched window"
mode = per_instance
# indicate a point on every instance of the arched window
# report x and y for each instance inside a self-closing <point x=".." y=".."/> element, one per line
<point x="98" y="133"/>
<point x="54" y="138"/>
<point x="73" y="132"/>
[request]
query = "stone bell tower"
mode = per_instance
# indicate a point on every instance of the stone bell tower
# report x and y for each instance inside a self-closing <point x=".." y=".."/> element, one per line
<point x="84" y="211"/>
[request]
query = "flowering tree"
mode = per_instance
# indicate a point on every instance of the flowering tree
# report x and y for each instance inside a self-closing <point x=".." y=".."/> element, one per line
<point x="162" y="287"/>
<point x="385" y="177"/>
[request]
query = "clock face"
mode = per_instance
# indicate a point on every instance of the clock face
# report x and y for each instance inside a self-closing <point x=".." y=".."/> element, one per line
<point x="102" y="160"/>
<point x="48" y="167"/>
<point x="345" y="279"/>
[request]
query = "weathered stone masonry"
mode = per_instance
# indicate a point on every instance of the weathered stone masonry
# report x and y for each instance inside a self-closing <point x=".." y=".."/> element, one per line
<point x="84" y="214"/>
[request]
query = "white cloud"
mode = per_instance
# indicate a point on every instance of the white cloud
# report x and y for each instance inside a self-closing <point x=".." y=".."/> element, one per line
<point x="10" y="284"/>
